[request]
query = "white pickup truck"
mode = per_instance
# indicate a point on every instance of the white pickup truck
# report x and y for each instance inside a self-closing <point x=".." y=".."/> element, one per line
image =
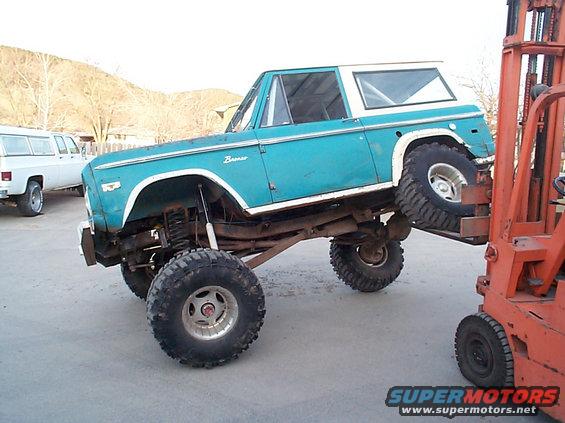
<point x="33" y="161"/>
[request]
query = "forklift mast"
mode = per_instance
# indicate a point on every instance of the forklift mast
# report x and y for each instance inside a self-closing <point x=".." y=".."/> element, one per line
<point x="518" y="336"/>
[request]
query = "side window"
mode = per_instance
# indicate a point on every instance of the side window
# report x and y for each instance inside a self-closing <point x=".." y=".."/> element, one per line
<point x="402" y="87"/>
<point x="276" y="110"/>
<point x="246" y="118"/>
<point x="313" y="97"/>
<point x="242" y="117"/>
<point x="15" y="145"/>
<point x="71" y="145"/>
<point x="41" y="146"/>
<point x="61" y="145"/>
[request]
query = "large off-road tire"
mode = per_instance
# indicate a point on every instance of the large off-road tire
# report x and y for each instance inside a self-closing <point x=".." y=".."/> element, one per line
<point x="139" y="281"/>
<point x="483" y="353"/>
<point x="79" y="189"/>
<point x="205" y="307"/>
<point x="30" y="203"/>
<point x="367" y="268"/>
<point x="429" y="191"/>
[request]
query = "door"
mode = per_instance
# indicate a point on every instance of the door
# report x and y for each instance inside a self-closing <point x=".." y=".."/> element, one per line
<point x="76" y="161"/>
<point x="310" y="144"/>
<point x="45" y="161"/>
<point x="65" y="164"/>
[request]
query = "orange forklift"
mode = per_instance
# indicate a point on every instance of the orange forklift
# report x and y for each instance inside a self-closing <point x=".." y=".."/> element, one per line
<point x="518" y="336"/>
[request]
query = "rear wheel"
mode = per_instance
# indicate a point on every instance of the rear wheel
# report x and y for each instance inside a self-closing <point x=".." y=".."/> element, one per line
<point x="483" y="353"/>
<point x="429" y="191"/>
<point x="30" y="203"/>
<point x="369" y="267"/>
<point x="138" y="281"/>
<point x="205" y="307"/>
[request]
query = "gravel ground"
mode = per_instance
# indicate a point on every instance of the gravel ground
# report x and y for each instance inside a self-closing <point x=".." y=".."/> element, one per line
<point x="75" y="344"/>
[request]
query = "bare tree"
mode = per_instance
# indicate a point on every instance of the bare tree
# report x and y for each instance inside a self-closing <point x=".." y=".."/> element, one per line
<point x="43" y="91"/>
<point x="96" y="99"/>
<point x="485" y="88"/>
<point x="36" y="77"/>
<point x="13" y="102"/>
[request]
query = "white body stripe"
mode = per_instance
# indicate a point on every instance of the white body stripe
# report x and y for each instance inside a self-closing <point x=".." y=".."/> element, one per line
<point x="318" y="198"/>
<point x="179" y="153"/>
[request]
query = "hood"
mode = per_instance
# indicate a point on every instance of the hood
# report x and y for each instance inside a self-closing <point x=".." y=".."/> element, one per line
<point x="169" y="147"/>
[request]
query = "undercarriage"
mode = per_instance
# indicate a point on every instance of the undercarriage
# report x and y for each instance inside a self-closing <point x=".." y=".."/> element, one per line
<point x="151" y="243"/>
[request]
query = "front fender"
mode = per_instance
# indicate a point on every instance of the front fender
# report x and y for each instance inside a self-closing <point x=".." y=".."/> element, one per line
<point x="119" y="182"/>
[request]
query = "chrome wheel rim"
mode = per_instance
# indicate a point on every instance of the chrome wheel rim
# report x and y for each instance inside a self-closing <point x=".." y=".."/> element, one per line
<point x="446" y="181"/>
<point x="36" y="200"/>
<point x="210" y="313"/>
<point x="373" y="255"/>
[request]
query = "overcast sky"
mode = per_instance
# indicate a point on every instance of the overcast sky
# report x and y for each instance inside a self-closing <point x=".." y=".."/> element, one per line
<point x="185" y="45"/>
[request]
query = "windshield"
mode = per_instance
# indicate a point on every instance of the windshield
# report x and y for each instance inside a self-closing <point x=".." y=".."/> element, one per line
<point x="242" y="117"/>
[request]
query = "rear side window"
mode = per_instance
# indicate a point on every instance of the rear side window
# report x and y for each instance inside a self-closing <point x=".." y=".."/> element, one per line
<point x="61" y="145"/>
<point x="71" y="145"/>
<point x="41" y="146"/>
<point x="15" y="145"/>
<point x="402" y="87"/>
<point x="307" y="97"/>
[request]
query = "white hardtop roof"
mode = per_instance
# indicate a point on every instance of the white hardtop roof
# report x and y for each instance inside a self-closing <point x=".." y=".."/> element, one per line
<point x="418" y="64"/>
<point x="16" y="130"/>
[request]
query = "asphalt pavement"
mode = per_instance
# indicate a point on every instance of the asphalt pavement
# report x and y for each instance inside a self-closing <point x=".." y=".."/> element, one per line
<point x="75" y="345"/>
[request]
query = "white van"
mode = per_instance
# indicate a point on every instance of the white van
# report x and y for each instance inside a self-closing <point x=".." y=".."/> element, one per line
<point x="33" y="161"/>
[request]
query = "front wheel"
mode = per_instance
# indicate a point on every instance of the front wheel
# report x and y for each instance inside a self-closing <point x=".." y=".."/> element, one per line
<point x="139" y="280"/>
<point x="79" y="189"/>
<point x="369" y="267"/>
<point x="429" y="190"/>
<point x="205" y="307"/>
<point x="30" y="203"/>
<point x="483" y="353"/>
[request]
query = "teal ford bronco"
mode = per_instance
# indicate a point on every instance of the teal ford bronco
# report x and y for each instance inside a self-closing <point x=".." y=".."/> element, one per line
<point x="317" y="152"/>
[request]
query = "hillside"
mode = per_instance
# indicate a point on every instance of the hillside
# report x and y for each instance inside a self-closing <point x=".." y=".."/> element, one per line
<point x="39" y="90"/>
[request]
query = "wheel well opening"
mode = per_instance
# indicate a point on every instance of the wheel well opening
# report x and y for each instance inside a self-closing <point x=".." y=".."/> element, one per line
<point x="440" y="139"/>
<point x="38" y="179"/>
<point x="182" y="191"/>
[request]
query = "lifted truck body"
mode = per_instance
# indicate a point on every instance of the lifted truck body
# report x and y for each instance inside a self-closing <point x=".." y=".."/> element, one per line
<point x="264" y="170"/>
<point x="321" y="152"/>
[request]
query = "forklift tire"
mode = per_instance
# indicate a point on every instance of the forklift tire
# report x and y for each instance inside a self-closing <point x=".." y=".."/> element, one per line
<point x="429" y="190"/>
<point x="483" y="352"/>
<point x="205" y="307"/>
<point x="30" y="203"/>
<point x="139" y="281"/>
<point x="365" y="269"/>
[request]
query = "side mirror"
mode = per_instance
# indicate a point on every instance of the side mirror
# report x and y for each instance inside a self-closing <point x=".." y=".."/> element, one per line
<point x="83" y="150"/>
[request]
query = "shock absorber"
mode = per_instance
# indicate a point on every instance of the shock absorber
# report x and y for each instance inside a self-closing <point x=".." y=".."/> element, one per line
<point x="209" y="227"/>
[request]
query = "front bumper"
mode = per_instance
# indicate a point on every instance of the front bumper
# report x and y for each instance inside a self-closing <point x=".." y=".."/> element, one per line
<point x="86" y="242"/>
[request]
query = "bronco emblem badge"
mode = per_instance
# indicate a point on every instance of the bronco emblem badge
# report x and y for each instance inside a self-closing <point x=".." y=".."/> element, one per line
<point x="230" y="159"/>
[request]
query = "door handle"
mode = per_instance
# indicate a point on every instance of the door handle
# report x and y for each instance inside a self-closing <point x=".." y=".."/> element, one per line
<point x="350" y="120"/>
